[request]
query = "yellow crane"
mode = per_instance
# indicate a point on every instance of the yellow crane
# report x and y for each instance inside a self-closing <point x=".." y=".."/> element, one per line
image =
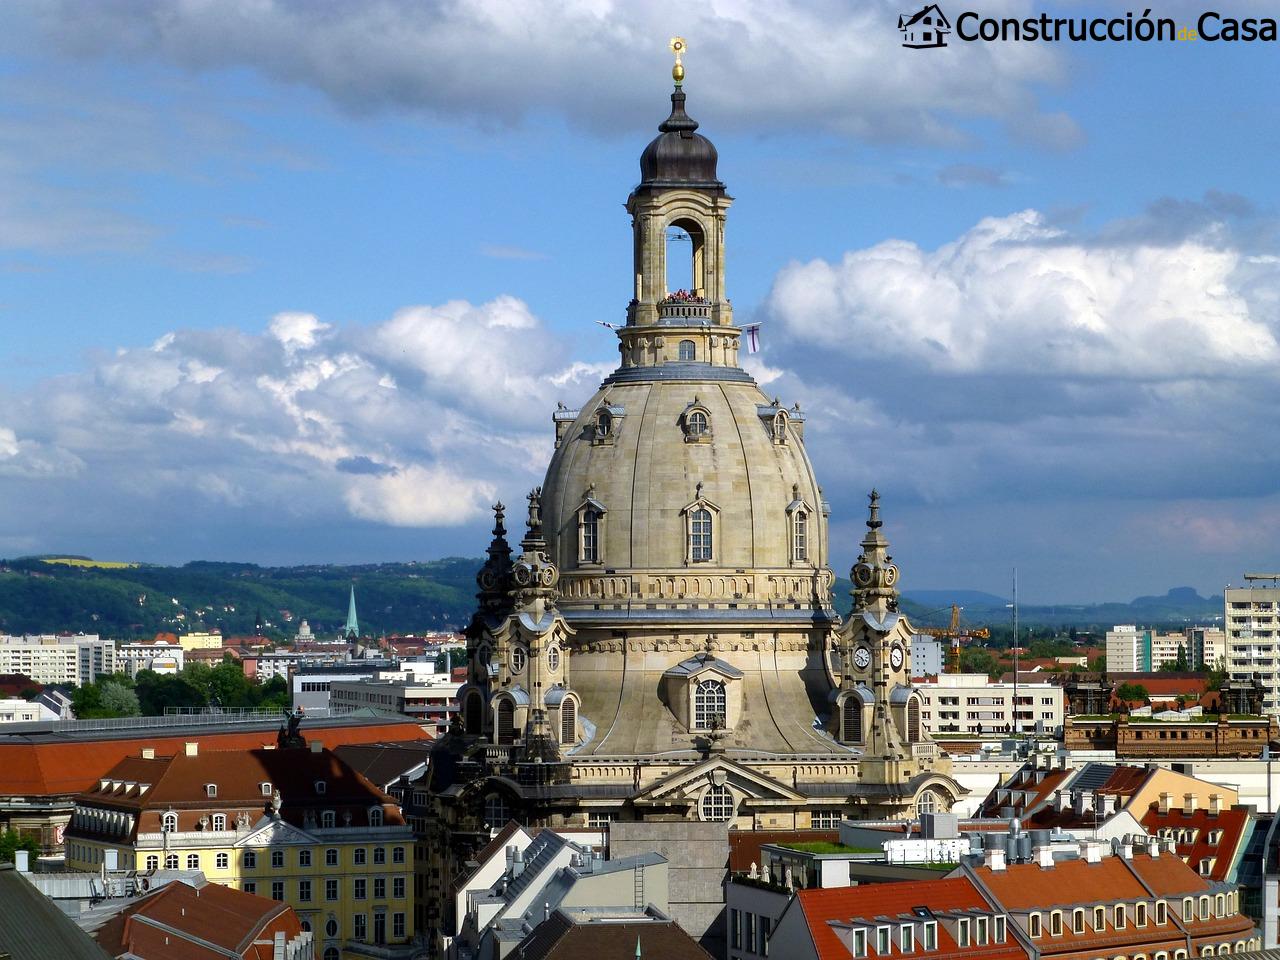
<point x="953" y="632"/>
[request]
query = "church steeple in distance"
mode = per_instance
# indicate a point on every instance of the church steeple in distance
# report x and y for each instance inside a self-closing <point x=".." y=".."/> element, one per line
<point x="352" y="630"/>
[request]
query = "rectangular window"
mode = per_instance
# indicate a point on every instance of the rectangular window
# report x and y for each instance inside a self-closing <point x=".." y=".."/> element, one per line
<point x="250" y="887"/>
<point x="304" y="858"/>
<point x="222" y="861"/>
<point x="331" y="857"/>
<point x="1055" y="924"/>
<point x="859" y="943"/>
<point x="750" y="932"/>
<point x="331" y="889"/>
<point x="397" y="926"/>
<point x="360" y="926"/>
<point x="304" y="891"/>
<point x="277" y="889"/>
<point x="931" y="935"/>
<point x="397" y="854"/>
<point x="1099" y="918"/>
<point x="962" y="933"/>
<point x="1162" y="913"/>
<point x="907" y="938"/>
<point x="1140" y="914"/>
<point x="882" y="940"/>
<point x="766" y="927"/>
<point x="250" y="860"/>
<point x="1120" y="918"/>
<point x="397" y="888"/>
<point x="379" y="888"/>
<point x="277" y="859"/>
<point x="357" y="856"/>
<point x="361" y="888"/>
<point x="379" y="854"/>
<point x="735" y="929"/>
<point x="1000" y="930"/>
<point x="980" y="931"/>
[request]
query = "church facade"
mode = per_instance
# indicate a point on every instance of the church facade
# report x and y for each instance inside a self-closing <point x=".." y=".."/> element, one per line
<point x="662" y="643"/>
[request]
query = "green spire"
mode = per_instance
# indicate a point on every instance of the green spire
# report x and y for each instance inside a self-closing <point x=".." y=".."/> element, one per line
<point x="352" y="630"/>
<point x="637" y="946"/>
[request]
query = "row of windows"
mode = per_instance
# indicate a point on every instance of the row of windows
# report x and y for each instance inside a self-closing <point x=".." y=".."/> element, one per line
<point x="699" y="532"/>
<point x="1220" y="905"/>
<point x="749" y="932"/>
<point x="359" y="857"/>
<point x="333" y="889"/>
<point x="218" y="821"/>
<point x="360" y="930"/>
<point x="906" y="941"/>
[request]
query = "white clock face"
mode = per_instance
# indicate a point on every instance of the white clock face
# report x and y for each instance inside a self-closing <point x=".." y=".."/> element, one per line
<point x="895" y="658"/>
<point x="862" y="658"/>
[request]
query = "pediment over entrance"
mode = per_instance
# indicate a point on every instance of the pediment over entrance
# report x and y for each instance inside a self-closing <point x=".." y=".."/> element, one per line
<point x="272" y="833"/>
<point x="688" y="785"/>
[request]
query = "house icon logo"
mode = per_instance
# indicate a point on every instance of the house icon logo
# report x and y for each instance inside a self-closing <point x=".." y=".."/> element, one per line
<point x="927" y="28"/>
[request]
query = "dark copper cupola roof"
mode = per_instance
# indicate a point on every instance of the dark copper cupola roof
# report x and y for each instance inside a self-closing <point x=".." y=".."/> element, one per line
<point x="679" y="156"/>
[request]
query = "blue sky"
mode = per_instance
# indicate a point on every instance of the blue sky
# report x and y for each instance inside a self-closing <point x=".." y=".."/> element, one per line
<point x="301" y="282"/>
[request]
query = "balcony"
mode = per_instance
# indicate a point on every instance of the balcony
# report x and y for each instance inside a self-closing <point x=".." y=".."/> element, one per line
<point x="684" y="311"/>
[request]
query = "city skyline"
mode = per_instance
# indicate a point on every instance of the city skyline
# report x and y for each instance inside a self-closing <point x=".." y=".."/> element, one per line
<point x="315" y="300"/>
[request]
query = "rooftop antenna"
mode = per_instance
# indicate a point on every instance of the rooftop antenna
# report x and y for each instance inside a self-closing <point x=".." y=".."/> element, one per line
<point x="1017" y="724"/>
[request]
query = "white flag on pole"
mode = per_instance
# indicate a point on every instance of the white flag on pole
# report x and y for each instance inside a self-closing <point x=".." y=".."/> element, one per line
<point x="752" y="330"/>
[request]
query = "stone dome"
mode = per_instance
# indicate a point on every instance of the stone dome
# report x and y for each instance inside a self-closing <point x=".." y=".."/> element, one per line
<point x="679" y="156"/>
<point x="747" y="467"/>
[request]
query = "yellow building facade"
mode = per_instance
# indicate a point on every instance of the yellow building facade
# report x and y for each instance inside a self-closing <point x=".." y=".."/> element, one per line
<point x="297" y="826"/>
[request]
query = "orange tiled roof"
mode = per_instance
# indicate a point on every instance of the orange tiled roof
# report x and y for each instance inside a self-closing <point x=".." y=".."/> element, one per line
<point x="825" y="908"/>
<point x="37" y="765"/>
<point x="1232" y="823"/>
<point x="236" y="922"/>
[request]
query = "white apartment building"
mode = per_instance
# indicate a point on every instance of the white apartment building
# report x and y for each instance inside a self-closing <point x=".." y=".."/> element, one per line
<point x="1207" y="645"/>
<point x="50" y="658"/>
<point x="928" y="655"/>
<point x="973" y="703"/>
<point x="17" y="710"/>
<point x="1252" y="621"/>
<point x="1133" y="649"/>
<point x="157" y="655"/>
<point x="430" y="700"/>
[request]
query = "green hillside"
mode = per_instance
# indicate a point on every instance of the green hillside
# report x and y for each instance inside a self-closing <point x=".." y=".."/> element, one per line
<point x="46" y="594"/>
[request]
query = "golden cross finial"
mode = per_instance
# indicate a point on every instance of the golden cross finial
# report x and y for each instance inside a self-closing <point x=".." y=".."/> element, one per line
<point x="678" y="47"/>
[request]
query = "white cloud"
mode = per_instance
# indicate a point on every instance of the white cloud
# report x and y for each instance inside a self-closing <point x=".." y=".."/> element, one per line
<point x="419" y="497"/>
<point x="832" y="66"/>
<point x="1017" y="294"/>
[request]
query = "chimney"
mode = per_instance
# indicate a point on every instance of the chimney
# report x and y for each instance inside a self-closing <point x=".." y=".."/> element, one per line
<point x="1044" y="856"/>
<point x="1170" y="845"/>
<point x="1188" y="804"/>
<point x="317" y="746"/>
<point x="1108" y="804"/>
<point x="1215" y="804"/>
<point x="22" y="861"/>
<point x="1091" y="851"/>
<point x="517" y="863"/>
<point x="995" y="859"/>
<point x="191" y="748"/>
<point x="1164" y="802"/>
<point x="148" y="753"/>
<point x="1059" y="800"/>
<point x="1126" y="847"/>
<point x="1083" y="801"/>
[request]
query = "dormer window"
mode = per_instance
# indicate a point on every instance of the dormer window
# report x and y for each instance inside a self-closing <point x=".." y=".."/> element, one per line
<point x="980" y="931"/>
<point x="780" y="427"/>
<point x="604" y="424"/>
<point x="931" y="935"/>
<point x="800" y="536"/>
<point x="1099" y="918"/>
<point x="169" y="823"/>
<point x="210" y="789"/>
<point x="962" y="932"/>
<point x="1000" y="929"/>
<point x="709" y="705"/>
<point x="265" y="788"/>
<point x="859" y="943"/>
<point x="328" y="819"/>
<point x="591" y="517"/>
<point x="882" y="941"/>
<point x="375" y="816"/>
<point x="907" y="938"/>
<point x="700" y="529"/>
<point x="696" y="422"/>
<point x="321" y="787"/>
<point x="1034" y="925"/>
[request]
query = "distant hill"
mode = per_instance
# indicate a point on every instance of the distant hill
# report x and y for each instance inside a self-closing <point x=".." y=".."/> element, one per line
<point x="44" y="594"/>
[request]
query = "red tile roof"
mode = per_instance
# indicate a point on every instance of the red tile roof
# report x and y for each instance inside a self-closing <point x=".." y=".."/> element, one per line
<point x="240" y="923"/>
<point x="825" y="909"/>
<point x="41" y="765"/>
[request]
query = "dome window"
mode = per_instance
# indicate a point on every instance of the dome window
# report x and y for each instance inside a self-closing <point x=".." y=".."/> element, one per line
<point x="569" y="721"/>
<point x="700" y="529"/>
<point x="709" y="705"/>
<point x="591" y="515"/>
<point x="798" y="513"/>
<point x="605" y="423"/>
<point x="780" y="427"/>
<point x="696" y="422"/>
<point x="688" y="350"/>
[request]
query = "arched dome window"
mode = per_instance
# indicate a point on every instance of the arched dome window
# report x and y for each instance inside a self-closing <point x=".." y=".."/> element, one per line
<point x="474" y="712"/>
<point x="780" y="427"/>
<point x="589" y="536"/>
<point x="696" y="424"/>
<point x="700" y="535"/>
<point x="506" y="721"/>
<point x="717" y="804"/>
<point x="800" y="536"/>
<point x="169" y="823"/>
<point x="688" y="350"/>
<point x="708" y="705"/>
<point x="928" y="802"/>
<point x="569" y="721"/>
<point x="604" y="424"/>
<point x="851" y="719"/>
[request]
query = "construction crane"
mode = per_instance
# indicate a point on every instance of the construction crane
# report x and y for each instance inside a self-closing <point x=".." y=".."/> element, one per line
<point x="953" y="633"/>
